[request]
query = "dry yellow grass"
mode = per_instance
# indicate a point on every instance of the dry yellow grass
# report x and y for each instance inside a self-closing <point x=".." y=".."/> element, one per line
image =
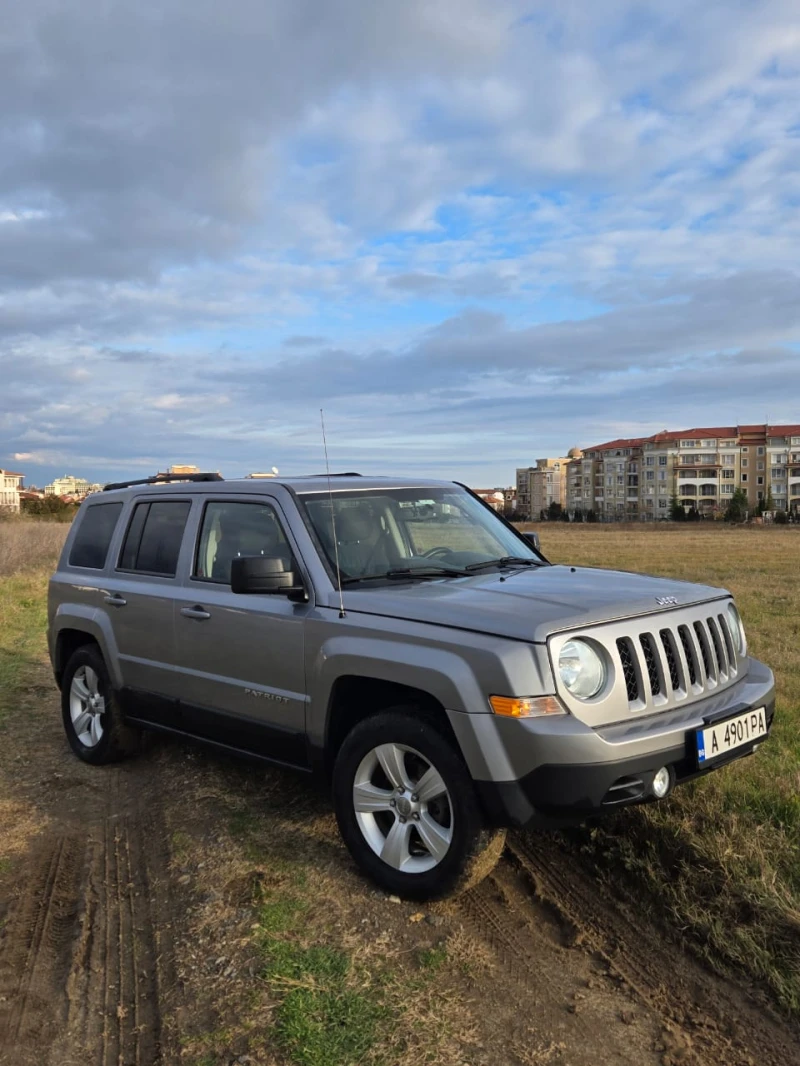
<point x="721" y="855"/>
<point x="27" y="545"/>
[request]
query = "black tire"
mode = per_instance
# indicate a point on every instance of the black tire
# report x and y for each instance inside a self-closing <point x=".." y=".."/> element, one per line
<point x="118" y="740"/>
<point x="474" y="848"/>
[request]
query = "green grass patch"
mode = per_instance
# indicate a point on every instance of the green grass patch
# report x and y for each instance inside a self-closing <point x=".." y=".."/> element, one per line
<point x="327" y="1026"/>
<point x="322" y="1018"/>
<point x="23" y="633"/>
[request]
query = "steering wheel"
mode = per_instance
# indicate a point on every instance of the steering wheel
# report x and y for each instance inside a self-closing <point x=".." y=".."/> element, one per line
<point x="437" y="553"/>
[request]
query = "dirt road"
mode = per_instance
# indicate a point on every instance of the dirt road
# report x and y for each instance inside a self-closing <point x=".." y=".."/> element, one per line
<point x="126" y="927"/>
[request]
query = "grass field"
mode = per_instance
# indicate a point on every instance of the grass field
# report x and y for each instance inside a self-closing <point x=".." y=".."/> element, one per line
<point x="721" y="857"/>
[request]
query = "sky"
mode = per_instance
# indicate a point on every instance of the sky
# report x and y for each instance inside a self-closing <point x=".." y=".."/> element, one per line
<point x="475" y="232"/>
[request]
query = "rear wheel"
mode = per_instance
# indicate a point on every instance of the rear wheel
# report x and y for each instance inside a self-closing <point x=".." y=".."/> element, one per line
<point x="91" y="715"/>
<point x="407" y="808"/>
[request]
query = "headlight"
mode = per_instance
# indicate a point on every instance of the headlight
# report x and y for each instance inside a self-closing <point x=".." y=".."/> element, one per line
<point x="581" y="669"/>
<point x="737" y="629"/>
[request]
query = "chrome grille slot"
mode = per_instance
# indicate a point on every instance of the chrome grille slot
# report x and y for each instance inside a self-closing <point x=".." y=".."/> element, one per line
<point x="705" y="651"/>
<point x="726" y="633"/>
<point x="652" y="663"/>
<point x="690" y="653"/>
<point x="719" y="649"/>
<point x="673" y="660"/>
<point x="628" y="662"/>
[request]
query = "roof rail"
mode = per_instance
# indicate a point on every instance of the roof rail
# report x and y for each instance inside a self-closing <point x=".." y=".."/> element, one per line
<point x="163" y="479"/>
<point x="346" y="473"/>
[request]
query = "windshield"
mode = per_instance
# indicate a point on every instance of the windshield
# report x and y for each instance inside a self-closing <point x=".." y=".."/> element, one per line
<point x="381" y="530"/>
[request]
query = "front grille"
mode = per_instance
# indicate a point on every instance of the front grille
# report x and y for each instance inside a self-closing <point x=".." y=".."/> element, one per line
<point x="628" y="668"/>
<point x="678" y="662"/>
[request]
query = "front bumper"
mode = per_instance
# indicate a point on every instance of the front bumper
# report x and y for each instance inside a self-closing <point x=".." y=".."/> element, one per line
<point x="563" y="772"/>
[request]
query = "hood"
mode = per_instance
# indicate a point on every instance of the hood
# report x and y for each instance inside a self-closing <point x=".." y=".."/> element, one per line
<point x="529" y="604"/>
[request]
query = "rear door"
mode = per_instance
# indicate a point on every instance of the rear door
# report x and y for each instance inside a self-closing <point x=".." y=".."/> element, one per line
<point x="141" y="600"/>
<point x="241" y="657"/>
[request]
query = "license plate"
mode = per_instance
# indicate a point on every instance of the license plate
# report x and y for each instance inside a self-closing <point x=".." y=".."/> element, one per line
<point x="716" y="740"/>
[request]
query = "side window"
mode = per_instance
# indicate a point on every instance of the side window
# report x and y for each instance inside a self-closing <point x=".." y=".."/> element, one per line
<point x="153" y="541"/>
<point x="232" y="530"/>
<point x="92" y="540"/>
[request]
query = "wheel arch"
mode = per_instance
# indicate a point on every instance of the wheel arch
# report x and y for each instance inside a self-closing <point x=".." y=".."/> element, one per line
<point x="74" y="628"/>
<point x="353" y="698"/>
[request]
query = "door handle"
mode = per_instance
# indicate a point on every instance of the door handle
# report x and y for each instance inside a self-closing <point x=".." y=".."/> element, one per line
<point x="197" y="612"/>
<point x="115" y="600"/>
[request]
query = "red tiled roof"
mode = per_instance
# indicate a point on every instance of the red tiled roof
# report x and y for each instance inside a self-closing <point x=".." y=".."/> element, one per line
<point x="703" y="433"/>
<point x="623" y="442"/>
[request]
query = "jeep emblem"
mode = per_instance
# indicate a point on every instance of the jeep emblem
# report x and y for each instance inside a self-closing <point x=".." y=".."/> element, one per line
<point x="667" y="601"/>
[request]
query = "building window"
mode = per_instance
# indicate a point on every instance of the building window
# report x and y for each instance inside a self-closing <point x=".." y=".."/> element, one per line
<point x="760" y="451"/>
<point x="726" y="490"/>
<point x="760" y="465"/>
<point x="744" y="478"/>
<point x="650" y="475"/>
<point x="745" y="449"/>
<point x="662" y="460"/>
<point x="662" y="475"/>
<point x="745" y="463"/>
<point x="650" y="460"/>
<point x="729" y="460"/>
<point x="759" y="480"/>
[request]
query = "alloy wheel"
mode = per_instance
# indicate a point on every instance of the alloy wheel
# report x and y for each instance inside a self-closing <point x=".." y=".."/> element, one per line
<point x="87" y="706"/>
<point x="403" y="808"/>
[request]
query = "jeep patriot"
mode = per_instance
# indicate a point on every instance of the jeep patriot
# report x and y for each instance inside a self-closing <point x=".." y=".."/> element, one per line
<point x="398" y="637"/>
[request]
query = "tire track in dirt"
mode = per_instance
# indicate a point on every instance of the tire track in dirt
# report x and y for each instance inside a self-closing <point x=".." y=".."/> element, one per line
<point x="86" y="953"/>
<point x="37" y="942"/>
<point x="566" y="1003"/>
<point x="706" y="1019"/>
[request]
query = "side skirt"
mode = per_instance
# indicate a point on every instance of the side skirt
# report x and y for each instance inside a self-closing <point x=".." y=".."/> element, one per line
<point x="246" y="737"/>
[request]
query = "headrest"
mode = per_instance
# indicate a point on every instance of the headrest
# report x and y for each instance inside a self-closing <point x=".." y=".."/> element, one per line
<point x="356" y="524"/>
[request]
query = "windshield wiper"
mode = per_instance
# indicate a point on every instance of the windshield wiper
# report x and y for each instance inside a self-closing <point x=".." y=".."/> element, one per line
<point x="410" y="571"/>
<point x="506" y="560"/>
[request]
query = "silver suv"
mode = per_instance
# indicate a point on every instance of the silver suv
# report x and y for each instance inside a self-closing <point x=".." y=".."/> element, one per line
<point x="400" y="638"/>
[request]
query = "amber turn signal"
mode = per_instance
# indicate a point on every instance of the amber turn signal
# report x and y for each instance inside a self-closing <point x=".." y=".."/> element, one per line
<point x="525" y="706"/>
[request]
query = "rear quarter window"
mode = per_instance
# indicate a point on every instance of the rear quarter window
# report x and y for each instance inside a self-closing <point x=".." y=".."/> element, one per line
<point x="93" y="536"/>
<point x="153" y="541"/>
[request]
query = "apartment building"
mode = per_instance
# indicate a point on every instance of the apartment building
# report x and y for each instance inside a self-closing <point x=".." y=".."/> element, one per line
<point x="68" y="485"/>
<point x="10" y="486"/>
<point x="635" y="478"/>
<point x="541" y="485"/>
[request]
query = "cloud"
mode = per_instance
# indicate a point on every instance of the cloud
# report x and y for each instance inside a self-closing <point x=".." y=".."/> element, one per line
<point x="472" y="229"/>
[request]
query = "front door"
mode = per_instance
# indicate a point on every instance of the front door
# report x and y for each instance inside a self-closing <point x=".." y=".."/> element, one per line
<point x="241" y="657"/>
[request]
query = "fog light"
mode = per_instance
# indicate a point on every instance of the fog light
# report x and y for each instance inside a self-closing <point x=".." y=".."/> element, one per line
<point x="661" y="783"/>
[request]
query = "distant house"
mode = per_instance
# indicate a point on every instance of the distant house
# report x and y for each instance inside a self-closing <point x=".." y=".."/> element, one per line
<point x="494" y="497"/>
<point x="179" y="469"/>
<point x="10" y="486"/>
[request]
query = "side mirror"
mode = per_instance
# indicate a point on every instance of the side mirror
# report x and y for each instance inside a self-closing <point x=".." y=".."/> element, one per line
<point x="264" y="576"/>
<point x="532" y="538"/>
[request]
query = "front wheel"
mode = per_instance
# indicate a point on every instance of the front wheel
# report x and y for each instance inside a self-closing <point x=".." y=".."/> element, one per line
<point x="407" y="808"/>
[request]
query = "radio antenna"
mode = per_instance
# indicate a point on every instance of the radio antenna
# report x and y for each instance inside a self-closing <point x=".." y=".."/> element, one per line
<point x="333" y="517"/>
